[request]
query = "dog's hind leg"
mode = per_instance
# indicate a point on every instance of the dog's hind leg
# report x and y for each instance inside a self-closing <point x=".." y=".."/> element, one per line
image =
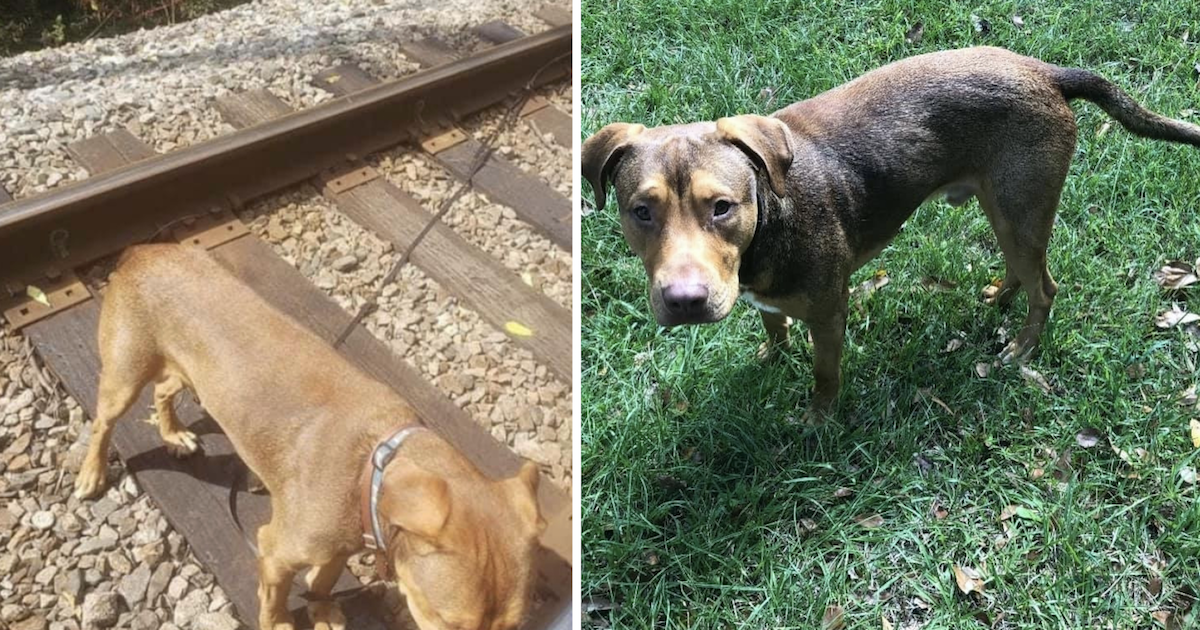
<point x="180" y="441"/>
<point x="126" y="366"/>
<point x="1021" y="209"/>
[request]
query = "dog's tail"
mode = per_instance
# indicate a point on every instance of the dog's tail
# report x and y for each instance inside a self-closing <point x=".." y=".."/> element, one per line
<point x="1077" y="83"/>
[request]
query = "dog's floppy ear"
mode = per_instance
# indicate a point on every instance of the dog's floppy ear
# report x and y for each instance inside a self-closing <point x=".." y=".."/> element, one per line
<point x="415" y="500"/>
<point x="766" y="141"/>
<point x="601" y="153"/>
<point x="523" y="489"/>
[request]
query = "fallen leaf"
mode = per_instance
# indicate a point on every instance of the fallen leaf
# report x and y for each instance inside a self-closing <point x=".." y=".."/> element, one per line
<point x="1176" y="275"/>
<point x="969" y="580"/>
<point x="1188" y="474"/>
<point x="808" y="524"/>
<point x="982" y="26"/>
<point x="1163" y="617"/>
<point x="767" y="96"/>
<point x="878" y="280"/>
<point x="834" y="618"/>
<point x="518" y="329"/>
<point x="1037" y="473"/>
<point x="1088" y="437"/>
<point x="842" y="492"/>
<point x="1027" y="514"/>
<point x="1036" y="378"/>
<point x="939" y="512"/>
<point x="37" y="295"/>
<point x="1174" y="317"/>
<point x="954" y="344"/>
<point x="927" y="392"/>
<point x="914" y="34"/>
<point x="983" y="369"/>
<point x="1194" y="424"/>
<point x="1008" y="512"/>
<point x="887" y="625"/>
<point x="937" y="284"/>
<point x="1135" y="370"/>
<point x="1062" y="466"/>
<point x="1154" y="587"/>
<point x="1187" y="398"/>
<point x="870" y="522"/>
<point x="1104" y="129"/>
<point x="527" y="278"/>
<point x="1018" y="21"/>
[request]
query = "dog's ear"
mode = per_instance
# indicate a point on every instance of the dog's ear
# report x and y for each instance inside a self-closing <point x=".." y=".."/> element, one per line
<point x="415" y="500"/>
<point x="766" y="141"/>
<point x="523" y="488"/>
<point x="601" y="153"/>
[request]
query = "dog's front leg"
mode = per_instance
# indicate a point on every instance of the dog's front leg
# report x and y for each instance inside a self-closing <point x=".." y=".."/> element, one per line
<point x="828" y="328"/>
<point x="274" y="580"/>
<point x="776" y="325"/>
<point x="325" y="613"/>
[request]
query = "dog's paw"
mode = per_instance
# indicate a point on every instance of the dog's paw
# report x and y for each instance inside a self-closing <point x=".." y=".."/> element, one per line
<point x="181" y="443"/>
<point x="89" y="482"/>
<point x="1017" y="351"/>
<point x="769" y="351"/>
<point x="327" y="616"/>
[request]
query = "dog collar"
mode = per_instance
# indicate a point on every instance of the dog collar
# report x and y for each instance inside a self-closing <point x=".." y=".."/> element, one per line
<point x="373" y="484"/>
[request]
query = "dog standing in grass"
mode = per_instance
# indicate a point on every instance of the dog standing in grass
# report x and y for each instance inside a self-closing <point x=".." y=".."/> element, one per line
<point x="781" y="209"/>
<point x="312" y="427"/>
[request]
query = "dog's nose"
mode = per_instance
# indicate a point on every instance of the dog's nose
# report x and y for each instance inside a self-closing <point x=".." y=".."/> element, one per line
<point x="685" y="298"/>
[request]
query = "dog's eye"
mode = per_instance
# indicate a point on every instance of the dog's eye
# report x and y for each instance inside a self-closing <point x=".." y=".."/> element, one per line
<point x="722" y="208"/>
<point x="642" y="213"/>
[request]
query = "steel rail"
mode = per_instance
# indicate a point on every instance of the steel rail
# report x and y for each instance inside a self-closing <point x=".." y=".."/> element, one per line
<point x="78" y="223"/>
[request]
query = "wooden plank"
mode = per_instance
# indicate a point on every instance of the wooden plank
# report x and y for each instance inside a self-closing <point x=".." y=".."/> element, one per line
<point x="536" y="203"/>
<point x="103" y="153"/>
<point x="478" y="279"/>
<point x="553" y="15"/>
<point x="429" y="52"/>
<point x="344" y="79"/>
<point x="246" y="109"/>
<point x="554" y="121"/>
<point x="196" y="503"/>
<point x="192" y="492"/>
<point x="498" y="32"/>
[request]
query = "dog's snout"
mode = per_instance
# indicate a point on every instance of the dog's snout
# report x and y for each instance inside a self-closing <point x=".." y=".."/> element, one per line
<point x="686" y="298"/>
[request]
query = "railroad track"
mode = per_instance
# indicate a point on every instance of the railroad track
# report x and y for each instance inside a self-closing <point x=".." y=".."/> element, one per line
<point x="196" y="194"/>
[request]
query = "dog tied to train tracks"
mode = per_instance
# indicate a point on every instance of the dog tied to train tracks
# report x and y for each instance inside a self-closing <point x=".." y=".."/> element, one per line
<point x="344" y="457"/>
<point x="781" y="209"/>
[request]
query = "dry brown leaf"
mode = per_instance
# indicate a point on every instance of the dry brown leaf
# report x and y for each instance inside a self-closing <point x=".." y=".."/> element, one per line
<point x="1062" y="466"/>
<point x="1037" y="473"/>
<point x="1154" y="587"/>
<point x="1017" y="20"/>
<point x="954" y="344"/>
<point x="1174" y="317"/>
<point x="1135" y="371"/>
<point x="887" y="625"/>
<point x="1104" y="129"/>
<point x="969" y="580"/>
<point x="1088" y="437"/>
<point x="834" y="618"/>
<point x="808" y="524"/>
<point x="871" y="521"/>
<point x="1164" y="617"/>
<point x="939" y="512"/>
<point x="1176" y="275"/>
<point x="927" y="392"/>
<point x="842" y="492"/>
<point x="914" y="34"/>
<point x="1008" y="512"/>
<point x="1188" y="475"/>
<point x="1036" y="378"/>
<point x="1194" y="424"/>
<point x="1187" y="397"/>
<point x="983" y="369"/>
<point x="937" y="284"/>
<point x="878" y="280"/>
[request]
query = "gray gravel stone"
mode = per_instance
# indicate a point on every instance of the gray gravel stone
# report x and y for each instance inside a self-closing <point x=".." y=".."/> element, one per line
<point x="215" y="621"/>
<point x="100" y="610"/>
<point x="133" y="586"/>
<point x="190" y="607"/>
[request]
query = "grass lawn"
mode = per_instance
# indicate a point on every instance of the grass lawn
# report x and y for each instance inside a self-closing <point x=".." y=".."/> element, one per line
<point x="705" y="505"/>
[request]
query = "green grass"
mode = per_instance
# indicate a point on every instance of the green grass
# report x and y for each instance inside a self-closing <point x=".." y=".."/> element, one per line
<point x="699" y="490"/>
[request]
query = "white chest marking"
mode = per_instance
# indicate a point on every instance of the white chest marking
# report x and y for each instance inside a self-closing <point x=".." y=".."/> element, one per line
<point x="753" y="300"/>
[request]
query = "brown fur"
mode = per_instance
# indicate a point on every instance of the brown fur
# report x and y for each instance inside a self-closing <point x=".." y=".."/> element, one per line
<point x="305" y="420"/>
<point x="820" y="187"/>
